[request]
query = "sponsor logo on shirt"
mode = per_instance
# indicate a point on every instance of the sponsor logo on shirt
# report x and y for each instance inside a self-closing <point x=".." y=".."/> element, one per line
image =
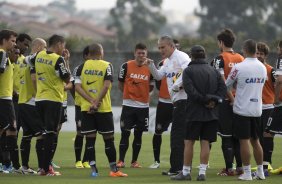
<point x="138" y="76"/>
<point x="44" y="61"/>
<point x="93" y="72"/>
<point x="255" y="80"/>
<point x="88" y="83"/>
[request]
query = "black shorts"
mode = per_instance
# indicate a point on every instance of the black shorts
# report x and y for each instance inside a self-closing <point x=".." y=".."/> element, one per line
<point x="274" y="124"/>
<point x="264" y="119"/>
<point x="225" y="125"/>
<point x="198" y="130"/>
<point x="64" y="115"/>
<point x="50" y="114"/>
<point x="133" y="117"/>
<point x="246" y="127"/>
<point x="101" y="122"/>
<point x="78" y="117"/>
<point x="7" y="115"/>
<point x="163" y="117"/>
<point x="31" y="122"/>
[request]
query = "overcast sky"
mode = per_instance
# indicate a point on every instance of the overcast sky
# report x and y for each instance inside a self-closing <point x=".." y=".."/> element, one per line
<point x="179" y="5"/>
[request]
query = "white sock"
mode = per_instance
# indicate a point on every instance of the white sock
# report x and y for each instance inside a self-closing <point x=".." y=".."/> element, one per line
<point x="203" y="168"/>
<point x="247" y="169"/>
<point x="186" y="170"/>
<point x="260" y="168"/>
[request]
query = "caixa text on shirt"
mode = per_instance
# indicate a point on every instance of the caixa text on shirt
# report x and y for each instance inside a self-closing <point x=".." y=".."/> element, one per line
<point x="93" y="72"/>
<point x="139" y="76"/>
<point x="44" y="61"/>
<point x="255" y="80"/>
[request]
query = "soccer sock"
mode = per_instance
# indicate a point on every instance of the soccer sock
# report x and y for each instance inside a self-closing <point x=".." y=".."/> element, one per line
<point x="136" y="145"/>
<point x="48" y="146"/>
<point x="203" y="168"/>
<point x="40" y="152"/>
<point x="228" y="153"/>
<point x="90" y="146"/>
<point x="157" y="141"/>
<point x="25" y="150"/>
<point x="267" y="149"/>
<point x="247" y="169"/>
<point x="237" y="153"/>
<point x="110" y="150"/>
<point x="1" y="151"/>
<point x="78" y="142"/>
<point x="186" y="170"/>
<point x="5" y="153"/>
<point x="55" y="143"/>
<point x="14" y="150"/>
<point x="123" y="145"/>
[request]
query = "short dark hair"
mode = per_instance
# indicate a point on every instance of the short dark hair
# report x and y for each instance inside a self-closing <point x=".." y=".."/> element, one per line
<point x="198" y="52"/>
<point x="85" y="52"/>
<point x="22" y="36"/>
<point x="227" y="37"/>
<point x="6" y="34"/>
<point x="54" y="39"/>
<point x="250" y="46"/>
<point x="263" y="47"/>
<point x="95" y="49"/>
<point x="141" y="46"/>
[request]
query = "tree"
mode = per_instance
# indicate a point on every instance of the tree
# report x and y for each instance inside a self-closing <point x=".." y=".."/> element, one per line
<point x="67" y="5"/>
<point x="249" y="19"/>
<point x="136" y="20"/>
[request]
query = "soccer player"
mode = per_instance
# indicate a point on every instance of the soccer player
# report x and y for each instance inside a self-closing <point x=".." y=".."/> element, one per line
<point x="31" y="122"/>
<point x="205" y="88"/>
<point x="78" y="142"/>
<point x="266" y="139"/>
<point x="224" y="63"/>
<point x="274" y="122"/>
<point x="64" y="115"/>
<point x="249" y="76"/>
<point x="172" y="69"/>
<point x="93" y="82"/>
<point x="51" y="72"/>
<point x="163" y="114"/>
<point x="7" y="113"/>
<point x="135" y="82"/>
<point x="23" y="43"/>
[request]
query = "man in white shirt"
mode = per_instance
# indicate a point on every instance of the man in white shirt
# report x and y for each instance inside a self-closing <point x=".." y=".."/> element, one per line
<point x="249" y="78"/>
<point x="172" y="69"/>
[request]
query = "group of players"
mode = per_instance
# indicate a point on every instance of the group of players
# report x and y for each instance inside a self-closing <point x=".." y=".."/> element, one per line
<point x="33" y="96"/>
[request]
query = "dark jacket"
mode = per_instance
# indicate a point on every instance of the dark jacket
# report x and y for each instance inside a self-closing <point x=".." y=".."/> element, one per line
<point x="200" y="80"/>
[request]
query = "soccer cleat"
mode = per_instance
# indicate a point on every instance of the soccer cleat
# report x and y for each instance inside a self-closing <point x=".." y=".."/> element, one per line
<point x="28" y="170"/>
<point x="41" y="172"/>
<point x="135" y="165"/>
<point x="8" y="170"/>
<point x="52" y="171"/>
<point x="118" y="174"/>
<point x="258" y="176"/>
<point x="180" y="177"/>
<point x="18" y="171"/>
<point x="276" y="171"/>
<point x="245" y="177"/>
<point x="79" y="165"/>
<point x="239" y="171"/>
<point x="86" y="165"/>
<point x="225" y="172"/>
<point x="201" y="177"/>
<point x="169" y="173"/>
<point x="120" y="164"/>
<point x="155" y="165"/>
<point x="55" y="166"/>
<point x="94" y="174"/>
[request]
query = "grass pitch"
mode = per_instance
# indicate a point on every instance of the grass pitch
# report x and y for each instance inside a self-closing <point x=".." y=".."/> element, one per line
<point x="65" y="158"/>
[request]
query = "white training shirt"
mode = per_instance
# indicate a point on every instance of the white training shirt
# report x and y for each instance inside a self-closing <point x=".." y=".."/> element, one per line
<point x="173" y="66"/>
<point x="249" y="77"/>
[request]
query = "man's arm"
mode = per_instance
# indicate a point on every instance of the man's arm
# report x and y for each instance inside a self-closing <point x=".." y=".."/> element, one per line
<point x="62" y="69"/>
<point x="277" y="89"/>
<point x="3" y="62"/>
<point x="157" y="74"/>
<point x="232" y="78"/>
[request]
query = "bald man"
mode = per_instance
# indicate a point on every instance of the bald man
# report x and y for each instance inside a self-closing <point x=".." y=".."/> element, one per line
<point x="31" y="121"/>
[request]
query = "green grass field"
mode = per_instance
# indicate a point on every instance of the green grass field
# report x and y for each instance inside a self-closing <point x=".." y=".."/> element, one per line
<point x="65" y="158"/>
